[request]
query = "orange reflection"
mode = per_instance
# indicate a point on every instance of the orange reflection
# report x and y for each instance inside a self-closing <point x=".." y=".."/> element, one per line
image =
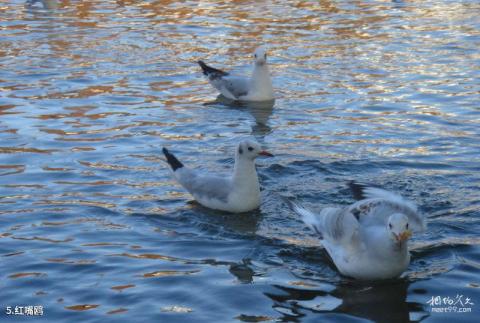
<point x="165" y="273"/>
<point x="148" y="256"/>
<point x="22" y="275"/>
<point x="82" y="307"/>
<point x="71" y="262"/>
<point x="122" y="287"/>
<point x="43" y="239"/>
<point x="118" y="310"/>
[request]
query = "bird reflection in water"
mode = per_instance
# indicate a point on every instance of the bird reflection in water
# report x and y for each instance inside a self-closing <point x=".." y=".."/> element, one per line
<point x="261" y="111"/>
<point x="240" y="223"/>
<point x="47" y="4"/>
<point x="379" y="302"/>
<point x="243" y="271"/>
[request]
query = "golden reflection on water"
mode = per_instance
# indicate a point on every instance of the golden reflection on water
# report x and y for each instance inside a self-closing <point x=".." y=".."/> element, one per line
<point x="76" y="202"/>
<point x="82" y="307"/>
<point x="72" y="262"/>
<point x="4" y="109"/>
<point x="117" y="311"/>
<point x="83" y="132"/>
<point x="75" y="149"/>
<point x="100" y="222"/>
<point x="102" y="244"/>
<point x="15" y="150"/>
<point x="149" y="256"/>
<point x="43" y="239"/>
<point x="16" y="211"/>
<point x="22" y="275"/>
<point x="11" y="198"/>
<point x="17" y="169"/>
<point x="95" y="183"/>
<point x="122" y="287"/>
<point x="357" y="22"/>
<point x="166" y="273"/>
<point x="24" y="186"/>
<point x="143" y="197"/>
<point x="81" y="129"/>
<point x="303" y="284"/>
<point x="101" y="165"/>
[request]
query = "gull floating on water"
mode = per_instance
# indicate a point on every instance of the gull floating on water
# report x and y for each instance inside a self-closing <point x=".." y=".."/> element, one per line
<point x="368" y="239"/>
<point x="47" y="4"/>
<point x="258" y="87"/>
<point x="239" y="192"/>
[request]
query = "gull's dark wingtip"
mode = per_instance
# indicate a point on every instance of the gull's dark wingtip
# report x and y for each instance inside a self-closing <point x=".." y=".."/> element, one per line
<point x="288" y="200"/>
<point x="205" y="68"/>
<point x="210" y="71"/>
<point x="357" y="190"/>
<point x="172" y="160"/>
<point x="202" y="64"/>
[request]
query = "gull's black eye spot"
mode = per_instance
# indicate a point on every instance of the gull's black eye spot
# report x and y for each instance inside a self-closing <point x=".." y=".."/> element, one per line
<point x="390" y="225"/>
<point x="240" y="150"/>
<point x="406" y="226"/>
<point x="265" y="56"/>
<point x="250" y="148"/>
<point x="255" y="55"/>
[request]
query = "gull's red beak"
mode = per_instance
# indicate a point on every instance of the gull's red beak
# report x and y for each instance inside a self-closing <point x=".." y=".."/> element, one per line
<point x="404" y="236"/>
<point x="265" y="153"/>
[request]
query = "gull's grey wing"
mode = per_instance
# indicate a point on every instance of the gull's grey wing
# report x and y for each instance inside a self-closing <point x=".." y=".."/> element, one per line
<point x="376" y="211"/>
<point x="333" y="224"/>
<point x="230" y="86"/>
<point x="364" y="191"/>
<point x="204" y="186"/>
<point x="339" y="225"/>
<point x="236" y="86"/>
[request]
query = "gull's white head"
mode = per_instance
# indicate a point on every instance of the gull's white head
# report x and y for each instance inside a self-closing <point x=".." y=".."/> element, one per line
<point x="260" y="55"/>
<point x="398" y="227"/>
<point x="250" y="150"/>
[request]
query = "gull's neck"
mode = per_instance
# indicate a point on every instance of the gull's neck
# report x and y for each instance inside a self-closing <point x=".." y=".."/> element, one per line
<point x="244" y="172"/>
<point x="261" y="78"/>
<point x="399" y="248"/>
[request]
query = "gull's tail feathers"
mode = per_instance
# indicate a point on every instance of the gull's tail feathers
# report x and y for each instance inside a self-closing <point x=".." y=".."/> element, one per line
<point x="172" y="160"/>
<point x="210" y="71"/>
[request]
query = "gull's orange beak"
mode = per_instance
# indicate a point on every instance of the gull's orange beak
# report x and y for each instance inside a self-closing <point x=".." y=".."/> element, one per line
<point x="405" y="235"/>
<point x="265" y="153"/>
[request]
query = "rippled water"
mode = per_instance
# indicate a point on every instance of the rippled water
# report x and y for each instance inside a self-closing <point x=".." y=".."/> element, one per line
<point x="92" y="225"/>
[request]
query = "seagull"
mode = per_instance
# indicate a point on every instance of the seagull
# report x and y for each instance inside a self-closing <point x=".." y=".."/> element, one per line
<point x="47" y="4"/>
<point x="237" y="193"/>
<point x="368" y="239"/>
<point x="256" y="88"/>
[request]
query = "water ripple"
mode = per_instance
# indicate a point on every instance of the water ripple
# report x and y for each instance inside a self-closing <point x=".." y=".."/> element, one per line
<point x="92" y="224"/>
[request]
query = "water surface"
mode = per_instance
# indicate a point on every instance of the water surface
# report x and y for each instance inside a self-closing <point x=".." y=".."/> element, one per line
<point x="93" y="227"/>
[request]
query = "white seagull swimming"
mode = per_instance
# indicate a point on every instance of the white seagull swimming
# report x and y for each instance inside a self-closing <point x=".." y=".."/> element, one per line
<point x="368" y="239"/>
<point x="237" y="193"/>
<point x="258" y="87"/>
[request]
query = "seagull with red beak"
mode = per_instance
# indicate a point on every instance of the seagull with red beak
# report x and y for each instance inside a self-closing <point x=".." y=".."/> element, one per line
<point x="235" y="193"/>
<point x="367" y="240"/>
<point x="257" y="87"/>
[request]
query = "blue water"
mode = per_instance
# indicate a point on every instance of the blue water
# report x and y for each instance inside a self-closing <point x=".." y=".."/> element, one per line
<point x="92" y="226"/>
